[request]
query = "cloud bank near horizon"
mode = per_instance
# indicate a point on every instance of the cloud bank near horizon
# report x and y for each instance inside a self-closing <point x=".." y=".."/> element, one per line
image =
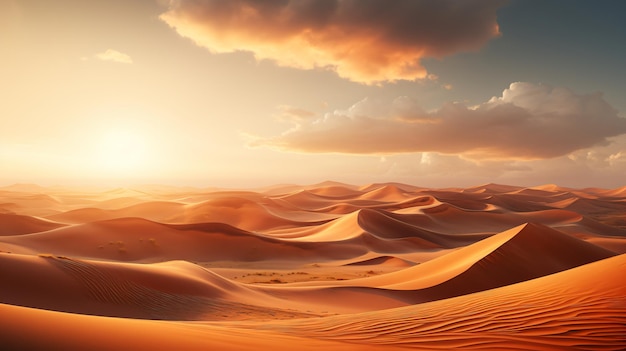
<point x="527" y="122"/>
<point x="364" y="41"/>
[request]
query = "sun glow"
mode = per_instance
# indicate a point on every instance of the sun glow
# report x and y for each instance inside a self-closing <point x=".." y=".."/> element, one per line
<point x="122" y="152"/>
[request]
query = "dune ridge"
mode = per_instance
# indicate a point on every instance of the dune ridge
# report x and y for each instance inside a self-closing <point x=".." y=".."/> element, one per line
<point x="560" y="311"/>
<point x="13" y="224"/>
<point x="582" y="308"/>
<point x="384" y="266"/>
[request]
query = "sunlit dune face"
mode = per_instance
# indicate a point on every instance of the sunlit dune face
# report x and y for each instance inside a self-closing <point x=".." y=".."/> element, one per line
<point x="122" y="152"/>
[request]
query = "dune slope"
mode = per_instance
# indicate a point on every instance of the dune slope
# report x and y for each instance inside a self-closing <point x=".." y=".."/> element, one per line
<point x="384" y="266"/>
<point x="583" y="308"/>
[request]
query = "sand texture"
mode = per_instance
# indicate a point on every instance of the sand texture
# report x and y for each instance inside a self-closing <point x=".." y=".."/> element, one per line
<point x="327" y="266"/>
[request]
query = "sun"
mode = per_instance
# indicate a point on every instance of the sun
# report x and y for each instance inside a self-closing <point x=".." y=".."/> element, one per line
<point x="122" y="152"/>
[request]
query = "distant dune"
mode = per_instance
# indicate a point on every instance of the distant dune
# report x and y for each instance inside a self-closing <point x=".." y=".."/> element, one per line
<point x="331" y="265"/>
<point x="18" y="224"/>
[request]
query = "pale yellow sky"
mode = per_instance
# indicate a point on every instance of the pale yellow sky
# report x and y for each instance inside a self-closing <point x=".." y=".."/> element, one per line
<point x="118" y="93"/>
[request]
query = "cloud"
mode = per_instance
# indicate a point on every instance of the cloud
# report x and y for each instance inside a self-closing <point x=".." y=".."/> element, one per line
<point x="293" y="114"/>
<point x="114" y="56"/>
<point x="603" y="166"/>
<point x="366" y="41"/>
<point x="527" y="122"/>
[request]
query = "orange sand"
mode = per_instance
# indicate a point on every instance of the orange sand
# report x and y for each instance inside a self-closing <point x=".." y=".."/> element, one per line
<point x="331" y="265"/>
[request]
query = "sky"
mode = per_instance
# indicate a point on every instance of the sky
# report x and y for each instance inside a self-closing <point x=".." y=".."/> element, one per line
<point x="245" y="93"/>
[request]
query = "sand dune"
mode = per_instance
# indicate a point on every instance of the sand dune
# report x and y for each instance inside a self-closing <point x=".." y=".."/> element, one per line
<point x="492" y="188"/>
<point x="18" y="224"/>
<point x="83" y="215"/>
<point x="590" y="206"/>
<point x="136" y="239"/>
<point x="402" y="187"/>
<point x="379" y="231"/>
<point x="616" y="193"/>
<point x="383" y="260"/>
<point x="584" y="308"/>
<point x="326" y="200"/>
<point x="339" y="191"/>
<point x="30" y="204"/>
<point x="306" y="200"/>
<point x="387" y="193"/>
<point x="331" y="265"/>
<point x="151" y="210"/>
<point x="175" y="290"/>
<point x="117" y="202"/>
<point x="514" y="203"/>
<point x="386" y="225"/>
<point x="240" y="212"/>
<point x="521" y="253"/>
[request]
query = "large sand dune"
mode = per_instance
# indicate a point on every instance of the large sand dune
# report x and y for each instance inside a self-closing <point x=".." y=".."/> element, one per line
<point x="345" y="267"/>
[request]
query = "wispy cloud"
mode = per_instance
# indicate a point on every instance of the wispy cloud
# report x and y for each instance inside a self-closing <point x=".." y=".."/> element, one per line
<point x="364" y="41"/>
<point x="527" y="122"/>
<point x="114" y="56"/>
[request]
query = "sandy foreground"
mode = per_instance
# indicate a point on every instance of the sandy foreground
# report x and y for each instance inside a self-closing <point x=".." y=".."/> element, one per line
<point x="331" y="265"/>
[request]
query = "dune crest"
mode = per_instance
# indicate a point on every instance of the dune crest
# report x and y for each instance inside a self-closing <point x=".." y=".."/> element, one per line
<point x="384" y="266"/>
<point x="18" y="224"/>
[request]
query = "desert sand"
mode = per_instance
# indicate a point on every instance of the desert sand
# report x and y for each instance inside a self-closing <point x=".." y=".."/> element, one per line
<point x="330" y="265"/>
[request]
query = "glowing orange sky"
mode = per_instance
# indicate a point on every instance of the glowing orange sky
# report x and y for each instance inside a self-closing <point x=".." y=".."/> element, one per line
<point x="245" y="93"/>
